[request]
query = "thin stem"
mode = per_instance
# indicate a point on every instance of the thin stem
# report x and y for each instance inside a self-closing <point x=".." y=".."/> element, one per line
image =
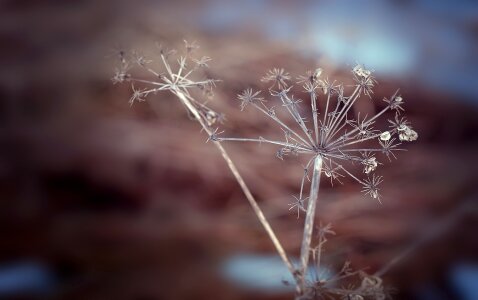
<point x="342" y="157"/>
<point x="350" y="174"/>
<point x="290" y="106"/>
<point x="242" y="184"/>
<point x="343" y="112"/>
<point x="368" y="122"/>
<point x="162" y="85"/>
<point x="322" y="136"/>
<point x="334" y="147"/>
<point x="335" y="112"/>
<point x="262" y="140"/>
<point x="156" y="74"/>
<point x="337" y="131"/>
<point x="313" y="103"/>
<point x="304" y="176"/>
<point x="168" y="68"/>
<point x="309" y="219"/>
<point x="370" y="150"/>
<point x="276" y="119"/>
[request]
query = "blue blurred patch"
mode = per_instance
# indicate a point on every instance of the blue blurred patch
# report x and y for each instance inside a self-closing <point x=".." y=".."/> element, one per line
<point x="464" y="279"/>
<point x="25" y="278"/>
<point x="263" y="273"/>
<point x="427" y="41"/>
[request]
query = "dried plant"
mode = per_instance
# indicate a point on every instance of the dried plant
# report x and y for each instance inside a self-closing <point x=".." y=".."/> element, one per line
<point x="180" y="75"/>
<point x="333" y="142"/>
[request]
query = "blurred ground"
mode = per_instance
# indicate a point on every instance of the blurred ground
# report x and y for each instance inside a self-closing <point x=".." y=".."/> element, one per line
<point x="114" y="202"/>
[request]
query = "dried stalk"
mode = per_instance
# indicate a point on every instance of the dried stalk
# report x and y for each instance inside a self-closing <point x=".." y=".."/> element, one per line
<point x="334" y="139"/>
<point x="257" y="210"/>
<point x="178" y="82"/>
<point x="309" y="219"/>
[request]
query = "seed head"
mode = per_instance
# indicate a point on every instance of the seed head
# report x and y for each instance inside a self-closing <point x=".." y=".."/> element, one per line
<point x="278" y="76"/>
<point x="385" y="136"/>
<point x="248" y="96"/>
<point x="370" y="186"/>
<point x="332" y="131"/>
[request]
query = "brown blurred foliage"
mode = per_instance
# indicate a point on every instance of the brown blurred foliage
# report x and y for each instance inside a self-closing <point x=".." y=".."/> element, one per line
<point x="131" y="203"/>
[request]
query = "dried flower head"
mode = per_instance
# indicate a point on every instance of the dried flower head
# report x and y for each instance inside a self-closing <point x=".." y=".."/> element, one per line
<point x="278" y="77"/>
<point x="370" y="186"/>
<point x="406" y="133"/>
<point x="385" y="136"/>
<point x="364" y="79"/>
<point x="370" y="164"/>
<point x="248" y="96"/>
<point x="334" y="133"/>
<point x="333" y="139"/>
<point x="311" y="77"/>
<point x="395" y="102"/>
<point x="179" y="75"/>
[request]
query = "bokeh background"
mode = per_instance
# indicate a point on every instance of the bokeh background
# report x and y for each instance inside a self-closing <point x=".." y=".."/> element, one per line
<point x="100" y="200"/>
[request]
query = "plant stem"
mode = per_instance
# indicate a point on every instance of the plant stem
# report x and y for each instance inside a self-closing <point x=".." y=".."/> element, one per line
<point x="309" y="219"/>
<point x="257" y="210"/>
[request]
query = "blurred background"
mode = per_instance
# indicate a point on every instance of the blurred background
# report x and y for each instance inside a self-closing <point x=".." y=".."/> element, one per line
<point x="100" y="200"/>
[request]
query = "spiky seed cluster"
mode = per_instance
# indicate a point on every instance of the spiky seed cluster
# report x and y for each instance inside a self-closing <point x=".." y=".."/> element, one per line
<point x="279" y="77"/>
<point x="334" y="133"/>
<point x="178" y="75"/>
<point x="248" y="96"/>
